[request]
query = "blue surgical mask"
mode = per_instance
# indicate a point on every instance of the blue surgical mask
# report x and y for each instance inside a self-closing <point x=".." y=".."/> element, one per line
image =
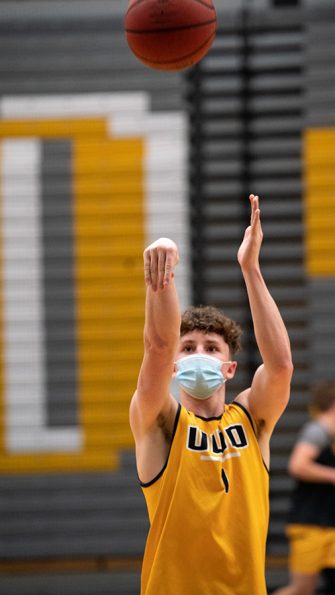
<point x="199" y="375"/>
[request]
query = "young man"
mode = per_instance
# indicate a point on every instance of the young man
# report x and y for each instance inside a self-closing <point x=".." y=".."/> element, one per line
<point x="311" y="528"/>
<point x="203" y="464"/>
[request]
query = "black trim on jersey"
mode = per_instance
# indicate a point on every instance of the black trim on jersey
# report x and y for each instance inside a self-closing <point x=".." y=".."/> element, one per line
<point x="247" y="414"/>
<point x="252" y="425"/>
<point x="207" y="418"/>
<point x="149" y="483"/>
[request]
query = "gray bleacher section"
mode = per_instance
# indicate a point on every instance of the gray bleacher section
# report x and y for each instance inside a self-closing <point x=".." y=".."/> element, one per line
<point x="99" y="516"/>
<point x="102" y="583"/>
<point x="80" y="515"/>
<point x="52" y="47"/>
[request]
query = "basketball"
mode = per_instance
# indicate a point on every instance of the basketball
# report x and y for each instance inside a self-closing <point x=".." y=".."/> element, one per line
<point x="170" y="34"/>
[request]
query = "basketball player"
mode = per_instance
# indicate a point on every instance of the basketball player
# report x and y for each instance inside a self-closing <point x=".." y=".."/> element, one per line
<point x="203" y="465"/>
<point x="311" y="528"/>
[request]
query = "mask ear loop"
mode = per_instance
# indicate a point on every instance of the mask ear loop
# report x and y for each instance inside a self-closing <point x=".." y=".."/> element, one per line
<point x="226" y="363"/>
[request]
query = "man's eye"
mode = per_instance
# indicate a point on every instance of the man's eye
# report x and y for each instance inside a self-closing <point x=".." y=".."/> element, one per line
<point x="188" y="348"/>
<point x="212" y="349"/>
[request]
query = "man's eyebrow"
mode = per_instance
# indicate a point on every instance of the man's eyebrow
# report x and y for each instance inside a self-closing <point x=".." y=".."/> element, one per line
<point x="207" y="342"/>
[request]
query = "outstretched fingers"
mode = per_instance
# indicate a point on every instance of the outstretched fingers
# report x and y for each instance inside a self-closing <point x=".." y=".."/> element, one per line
<point x="154" y="268"/>
<point x="255" y="210"/>
<point x="165" y="268"/>
<point x="147" y="268"/>
<point x="160" y="258"/>
<point x="157" y="268"/>
<point x="168" y="275"/>
<point x="161" y="269"/>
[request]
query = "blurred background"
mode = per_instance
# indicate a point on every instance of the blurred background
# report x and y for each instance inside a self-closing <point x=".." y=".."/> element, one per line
<point x="99" y="155"/>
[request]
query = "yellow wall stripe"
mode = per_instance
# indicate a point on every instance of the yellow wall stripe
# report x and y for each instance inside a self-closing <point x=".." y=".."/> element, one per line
<point x="65" y="463"/>
<point x="71" y="128"/>
<point x="2" y="358"/>
<point x="109" y="216"/>
<point x="320" y="201"/>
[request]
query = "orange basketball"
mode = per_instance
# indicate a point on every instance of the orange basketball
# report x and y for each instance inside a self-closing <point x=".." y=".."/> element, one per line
<point x="170" y="34"/>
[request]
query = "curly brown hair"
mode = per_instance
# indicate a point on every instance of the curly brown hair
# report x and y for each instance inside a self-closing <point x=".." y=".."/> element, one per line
<point x="209" y="319"/>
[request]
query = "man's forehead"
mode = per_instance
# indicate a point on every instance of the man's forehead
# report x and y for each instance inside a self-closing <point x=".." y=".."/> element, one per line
<point x="198" y="336"/>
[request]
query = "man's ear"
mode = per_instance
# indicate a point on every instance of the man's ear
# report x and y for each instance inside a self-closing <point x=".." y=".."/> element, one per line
<point x="230" y="371"/>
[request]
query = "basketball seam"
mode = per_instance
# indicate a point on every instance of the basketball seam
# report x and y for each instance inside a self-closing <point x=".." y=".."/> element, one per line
<point x="179" y="59"/>
<point x="198" y="1"/>
<point x="133" y="6"/>
<point x="170" y="29"/>
<point x="205" y="4"/>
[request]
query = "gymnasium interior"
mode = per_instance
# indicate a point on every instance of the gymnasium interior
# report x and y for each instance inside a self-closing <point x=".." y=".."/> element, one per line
<point x="100" y="155"/>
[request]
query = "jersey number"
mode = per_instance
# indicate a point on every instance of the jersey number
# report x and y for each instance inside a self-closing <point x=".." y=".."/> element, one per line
<point x="225" y="480"/>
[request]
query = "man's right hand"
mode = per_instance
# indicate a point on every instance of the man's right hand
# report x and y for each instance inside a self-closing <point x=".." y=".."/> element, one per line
<point x="160" y="259"/>
<point x="248" y="253"/>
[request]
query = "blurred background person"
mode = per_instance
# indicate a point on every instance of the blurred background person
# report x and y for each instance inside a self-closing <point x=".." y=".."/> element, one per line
<point x="311" y="528"/>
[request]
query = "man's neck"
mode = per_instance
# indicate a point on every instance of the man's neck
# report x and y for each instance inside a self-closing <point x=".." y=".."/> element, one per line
<point x="211" y="407"/>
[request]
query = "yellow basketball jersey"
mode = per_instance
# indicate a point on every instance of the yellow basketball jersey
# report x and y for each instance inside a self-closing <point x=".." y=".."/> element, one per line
<point x="208" y="510"/>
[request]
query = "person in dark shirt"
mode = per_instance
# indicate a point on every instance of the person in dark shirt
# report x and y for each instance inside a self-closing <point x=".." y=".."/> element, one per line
<point x="311" y="526"/>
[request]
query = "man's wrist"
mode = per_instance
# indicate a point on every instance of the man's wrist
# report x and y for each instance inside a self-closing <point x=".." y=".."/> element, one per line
<point x="251" y="270"/>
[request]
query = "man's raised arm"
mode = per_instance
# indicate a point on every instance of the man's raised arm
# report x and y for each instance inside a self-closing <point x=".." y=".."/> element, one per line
<point x="270" y="388"/>
<point x="161" y="336"/>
